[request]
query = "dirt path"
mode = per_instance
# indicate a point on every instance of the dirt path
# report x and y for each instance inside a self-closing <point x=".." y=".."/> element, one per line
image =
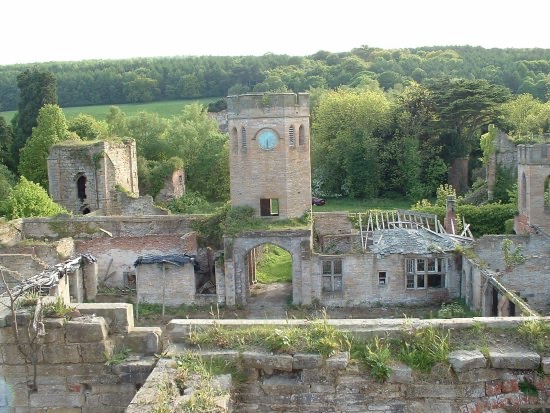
<point x="268" y="301"/>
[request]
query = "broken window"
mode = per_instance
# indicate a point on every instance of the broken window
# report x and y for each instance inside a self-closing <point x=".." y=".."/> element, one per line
<point x="129" y="279"/>
<point x="269" y="207"/>
<point x="332" y="275"/>
<point x="291" y="137"/>
<point x="235" y="140"/>
<point x="381" y="277"/>
<point x="425" y="272"/>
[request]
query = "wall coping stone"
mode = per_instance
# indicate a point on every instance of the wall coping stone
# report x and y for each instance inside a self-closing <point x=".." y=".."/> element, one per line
<point x="86" y="329"/>
<point x="463" y="360"/>
<point x="525" y="360"/>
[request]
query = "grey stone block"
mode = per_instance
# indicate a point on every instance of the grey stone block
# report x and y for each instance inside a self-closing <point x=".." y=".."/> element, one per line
<point x="306" y="361"/>
<point x="145" y="340"/>
<point x="136" y="369"/>
<point x="119" y="316"/>
<point x="267" y="362"/>
<point x="526" y="360"/>
<point x="400" y="373"/>
<point x="339" y="361"/>
<point x="86" y="329"/>
<point x="463" y="360"/>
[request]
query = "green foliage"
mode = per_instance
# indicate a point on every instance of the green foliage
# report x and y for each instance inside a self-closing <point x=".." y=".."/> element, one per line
<point x="37" y="87"/>
<point x="442" y="193"/>
<point x="191" y="203"/>
<point x="456" y="309"/>
<point x="424" y="348"/>
<point x="537" y="332"/>
<point x="377" y="357"/>
<point x="6" y="139"/>
<point x="58" y="309"/>
<point x="88" y="128"/>
<point x="487" y="144"/>
<point x="153" y="174"/>
<point x="51" y="128"/>
<point x="512" y="258"/>
<point x="217" y="106"/>
<point x="274" y="266"/>
<point x="525" y="117"/>
<point x="28" y="199"/>
<point x="528" y="388"/>
<point x="484" y="219"/>
<point x="118" y="357"/>
<point x="504" y="185"/>
<point x="7" y="181"/>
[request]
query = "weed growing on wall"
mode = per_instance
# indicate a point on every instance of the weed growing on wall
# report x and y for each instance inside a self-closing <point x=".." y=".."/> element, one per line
<point x="377" y="356"/>
<point x="424" y="348"/>
<point x="537" y="332"/>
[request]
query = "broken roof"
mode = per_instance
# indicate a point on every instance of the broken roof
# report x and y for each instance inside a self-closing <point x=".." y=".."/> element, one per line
<point x="176" y="259"/>
<point x="410" y="241"/>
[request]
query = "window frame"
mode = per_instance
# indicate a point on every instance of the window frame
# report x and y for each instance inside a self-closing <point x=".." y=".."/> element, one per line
<point x="332" y="270"/>
<point x="421" y="272"/>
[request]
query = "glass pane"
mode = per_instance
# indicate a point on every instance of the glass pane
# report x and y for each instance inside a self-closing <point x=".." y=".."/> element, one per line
<point x="338" y="283"/>
<point x="431" y="265"/>
<point x="327" y="284"/>
<point x="420" y="265"/>
<point x="410" y="280"/>
<point x="435" y="281"/>
<point x="420" y="281"/>
<point x="441" y="264"/>
<point x="382" y="278"/>
<point x="337" y="266"/>
<point x="410" y="266"/>
<point x="327" y="267"/>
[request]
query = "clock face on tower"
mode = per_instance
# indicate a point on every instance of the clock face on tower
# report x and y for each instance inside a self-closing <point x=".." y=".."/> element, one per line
<point x="267" y="139"/>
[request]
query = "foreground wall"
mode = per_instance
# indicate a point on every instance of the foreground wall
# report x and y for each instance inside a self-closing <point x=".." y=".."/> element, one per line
<point x="72" y="373"/>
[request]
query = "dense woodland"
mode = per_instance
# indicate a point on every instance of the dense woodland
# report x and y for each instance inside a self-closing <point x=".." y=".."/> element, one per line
<point x="149" y="79"/>
<point x="385" y="123"/>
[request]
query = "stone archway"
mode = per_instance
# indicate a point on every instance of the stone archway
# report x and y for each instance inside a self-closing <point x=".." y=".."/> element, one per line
<point x="237" y="248"/>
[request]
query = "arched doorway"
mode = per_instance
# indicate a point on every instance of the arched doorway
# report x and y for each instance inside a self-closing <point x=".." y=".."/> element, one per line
<point x="240" y="269"/>
<point x="81" y="187"/>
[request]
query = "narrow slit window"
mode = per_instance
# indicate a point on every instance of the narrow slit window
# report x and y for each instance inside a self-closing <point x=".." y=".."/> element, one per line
<point x="302" y="135"/>
<point x="243" y="137"/>
<point x="291" y="136"/>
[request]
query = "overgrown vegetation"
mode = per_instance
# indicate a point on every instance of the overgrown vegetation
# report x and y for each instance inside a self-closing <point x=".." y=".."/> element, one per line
<point x="274" y="265"/>
<point x="537" y="331"/>
<point x="424" y="348"/>
<point x="512" y="257"/>
<point x="456" y="309"/>
<point x="117" y="357"/>
<point x="377" y="356"/>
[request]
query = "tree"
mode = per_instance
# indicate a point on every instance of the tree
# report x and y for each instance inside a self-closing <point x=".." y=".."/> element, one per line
<point x="51" y="128"/>
<point x="525" y="116"/>
<point x="148" y="131"/>
<point x="6" y="138"/>
<point x="36" y="88"/>
<point x="116" y="121"/>
<point x="28" y="199"/>
<point x="347" y="126"/>
<point x="7" y="181"/>
<point x="88" y="128"/>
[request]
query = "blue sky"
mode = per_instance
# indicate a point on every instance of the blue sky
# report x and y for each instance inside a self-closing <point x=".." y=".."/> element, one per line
<point x="59" y="30"/>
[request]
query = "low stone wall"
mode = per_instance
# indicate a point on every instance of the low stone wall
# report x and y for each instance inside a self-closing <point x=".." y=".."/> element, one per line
<point x="79" y="364"/>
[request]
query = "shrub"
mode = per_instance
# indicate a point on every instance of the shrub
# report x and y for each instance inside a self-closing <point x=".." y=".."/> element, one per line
<point x="377" y="356"/>
<point x="424" y="348"/>
<point x="455" y="309"/>
<point x="190" y="203"/>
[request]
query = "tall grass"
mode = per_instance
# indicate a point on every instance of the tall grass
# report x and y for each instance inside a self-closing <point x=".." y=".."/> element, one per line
<point x="274" y="266"/>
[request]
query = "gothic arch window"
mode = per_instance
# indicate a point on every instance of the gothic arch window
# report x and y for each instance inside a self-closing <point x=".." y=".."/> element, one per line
<point x="235" y="139"/>
<point x="291" y="136"/>
<point x="302" y="135"/>
<point x="81" y="188"/>
<point x="523" y="191"/>
<point x="243" y="137"/>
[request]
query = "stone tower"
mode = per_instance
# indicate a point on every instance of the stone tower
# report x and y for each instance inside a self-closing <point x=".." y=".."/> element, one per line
<point x="533" y="183"/>
<point x="269" y="160"/>
<point x="85" y="176"/>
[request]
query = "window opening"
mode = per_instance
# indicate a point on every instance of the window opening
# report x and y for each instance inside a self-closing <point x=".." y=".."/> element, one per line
<point x="235" y="139"/>
<point x="302" y="135"/>
<point x="81" y="188"/>
<point x="382" y="278"/>
<point x="332" y="275"/>
<point x="269" y="207"/>
<point x="243" y="137"/>
<point x="425" y="272"/>
<point x="547" y="192"/>
<point x="291" y="136"/>
<point x="129" y="279"/>
<point x="523" y="191"/>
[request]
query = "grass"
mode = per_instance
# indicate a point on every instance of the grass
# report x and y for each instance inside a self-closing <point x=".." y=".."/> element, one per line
<point x="165" y="109"/>
<point x="275" y="265"/>
<point x="361" y="205"/>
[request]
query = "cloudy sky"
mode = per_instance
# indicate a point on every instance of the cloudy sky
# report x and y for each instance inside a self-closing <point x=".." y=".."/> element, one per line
<point x="59" y="30"/>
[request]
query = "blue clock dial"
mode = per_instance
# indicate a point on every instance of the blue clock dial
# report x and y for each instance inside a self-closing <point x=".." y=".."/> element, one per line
<point x="267" y="139"/>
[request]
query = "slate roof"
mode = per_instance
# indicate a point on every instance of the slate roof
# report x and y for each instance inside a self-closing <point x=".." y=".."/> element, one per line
<point x="410" y="241"/>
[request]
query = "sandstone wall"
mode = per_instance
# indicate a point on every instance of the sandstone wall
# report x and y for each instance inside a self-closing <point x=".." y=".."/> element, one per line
<point x="172" y="285"/>
<point x="73" y="375"/>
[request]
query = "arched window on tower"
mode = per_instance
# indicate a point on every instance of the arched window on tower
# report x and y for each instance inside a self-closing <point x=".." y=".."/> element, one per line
<point x="234" y="140"/>
<point x="291" y="136"/>
<point x="243" y="137"/>
<point x="547" y="193"/>
<point x="302" y="135"/>
<point x="523" y="192"/>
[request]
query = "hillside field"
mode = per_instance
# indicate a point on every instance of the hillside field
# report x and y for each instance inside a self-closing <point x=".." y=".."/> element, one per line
<point x="165" y="109"/>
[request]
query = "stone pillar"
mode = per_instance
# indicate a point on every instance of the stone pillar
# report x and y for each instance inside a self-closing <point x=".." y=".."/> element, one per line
<point x="76" y="286"/>
<point x="90" y="280"/>
<point x="450" y="216"/>
<point x="230" y="298"/>
<point x="220" y="281"/>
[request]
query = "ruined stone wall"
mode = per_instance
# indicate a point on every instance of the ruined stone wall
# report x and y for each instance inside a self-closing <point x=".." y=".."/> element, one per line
<point x="282" y="173"/>
<point x="73" y="375"/>
<point x="172" y="285"/>
<point x="125" y="205"/>
<point x="533" y="170"/>
<point x="118" y="226"/>
<point x="115" y="256"/>
<point x="506" y="153"/>
<point x="531" y="279"/>
<point x="174" y="187"/>
<point x="360" y="279"/>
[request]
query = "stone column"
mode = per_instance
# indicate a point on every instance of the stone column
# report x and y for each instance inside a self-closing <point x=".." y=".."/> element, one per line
<point x="90" y="280"/>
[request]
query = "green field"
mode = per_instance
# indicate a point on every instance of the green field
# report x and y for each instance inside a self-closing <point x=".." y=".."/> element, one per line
<point x="164" y="109"/>
<point x="361" y="205"/>
<point x="275" y="266"/>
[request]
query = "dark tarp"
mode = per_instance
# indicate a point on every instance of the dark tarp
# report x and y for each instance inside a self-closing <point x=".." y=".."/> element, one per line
<point x="176" y="259"/>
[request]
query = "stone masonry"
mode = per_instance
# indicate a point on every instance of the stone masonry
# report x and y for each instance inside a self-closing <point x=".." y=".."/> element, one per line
<point x="282" y="172"/>
<point x="83" y="176"/>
